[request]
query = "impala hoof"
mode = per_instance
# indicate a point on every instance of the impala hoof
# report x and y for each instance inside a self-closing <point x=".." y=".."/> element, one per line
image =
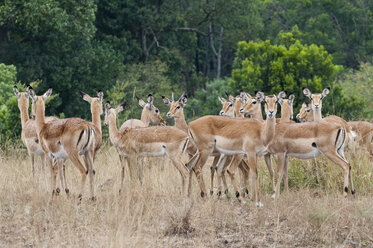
<point x="67" y="191"/>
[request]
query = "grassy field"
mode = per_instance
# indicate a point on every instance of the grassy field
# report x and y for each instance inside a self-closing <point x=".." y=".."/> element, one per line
<point x="313" y="214"/>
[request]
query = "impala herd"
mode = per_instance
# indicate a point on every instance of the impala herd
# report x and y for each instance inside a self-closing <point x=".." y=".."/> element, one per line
<point x="235" y="142"/>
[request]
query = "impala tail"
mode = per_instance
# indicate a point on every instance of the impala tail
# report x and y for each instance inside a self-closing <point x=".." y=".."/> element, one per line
<point x="86" y="139"/>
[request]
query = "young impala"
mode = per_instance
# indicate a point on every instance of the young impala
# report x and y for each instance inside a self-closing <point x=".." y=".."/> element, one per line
<point x="153" y="141"/>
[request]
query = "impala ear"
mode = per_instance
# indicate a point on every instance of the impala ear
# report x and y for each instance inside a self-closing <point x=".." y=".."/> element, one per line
<point x="307" y="92"/>
<point x="291" y="98"/>
<point x="47" y="94"/>
<point x="230" y="97"/>
<point x="150" y="100"/>
<point x="166" y="100"/>
<point x="85" y="96"/>
<point x="183" y="99"/>
<point x="222" y="100"/>
<point x="100" y="95"/>
<point x="281" y="96"/>
<point x="107" y="107"/>
<point x="304" y="105"/>
<point x="260" y="96"/>
<point x="325" y="92"/>
<point x="120" y="108"/>
<point x="16" y="92"/>
<point x="141" y="102"/>
<point x="31" y="93"/>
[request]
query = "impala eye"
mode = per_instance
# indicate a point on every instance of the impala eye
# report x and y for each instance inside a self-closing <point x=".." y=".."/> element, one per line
<point x="254" y="102"/>
<point x="178" y="107"/>
<point x="231" y="105"/>
<point x="308" y="110"/>
<point x="311" y="99"/>
<point x="157" y="111"/>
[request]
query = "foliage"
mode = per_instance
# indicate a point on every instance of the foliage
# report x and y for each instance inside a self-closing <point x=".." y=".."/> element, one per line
<point x="343" y="27"/>
<point x="358" y="84"/>
<point x="141" y="80"/>
<point x="10" y="121"/>
<point x="290" y="66"/>
<point x="53" y="41"/>
<point x="205" y="101"/>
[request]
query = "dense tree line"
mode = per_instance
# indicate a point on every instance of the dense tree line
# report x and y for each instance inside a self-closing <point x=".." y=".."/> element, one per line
<point x="197" y="47"/>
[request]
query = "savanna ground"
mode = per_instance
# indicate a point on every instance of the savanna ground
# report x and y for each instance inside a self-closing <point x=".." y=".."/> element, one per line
<point x="313" y="214"/>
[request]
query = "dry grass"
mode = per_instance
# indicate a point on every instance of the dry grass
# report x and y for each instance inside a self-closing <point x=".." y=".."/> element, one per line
<point x="313" y="213"/>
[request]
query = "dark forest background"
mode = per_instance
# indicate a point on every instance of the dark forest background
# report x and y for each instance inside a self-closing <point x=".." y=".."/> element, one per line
<point x="202" y="48"/>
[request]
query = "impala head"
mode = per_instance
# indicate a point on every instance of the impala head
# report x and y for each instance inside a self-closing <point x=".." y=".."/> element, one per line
<point x="287" y="105"/>
<point x="176" y="107"/>
<point x="38" y="102"/>
<point x="305" y="113"/>
<point x="150" y="112"/>
<point x="112" y="113"/>
<point x="270" y="104"/>
<point x="316" y="99"/>
<point x="96" y="102"/>
<point x="228" y="105"/>
<point x="251" y="105"/>
<point x="23" y="101"/>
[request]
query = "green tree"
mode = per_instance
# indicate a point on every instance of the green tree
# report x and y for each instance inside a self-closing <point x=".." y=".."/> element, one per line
<point x="140" y="80"/>
<point x="290" y="67"/>
<point x="10" y="122"/>
<point x="53" y="41"/>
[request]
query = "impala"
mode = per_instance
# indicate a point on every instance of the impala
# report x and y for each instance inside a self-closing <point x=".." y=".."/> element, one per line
<point x="177" y="113"/>
<point x="310" y="140"/>
<point x="231" y="136"/>
<point x="65" y="139"/>
<point x="153" y="141"/>
<point x="150" y="115"/>
<point x="29" y="135"/>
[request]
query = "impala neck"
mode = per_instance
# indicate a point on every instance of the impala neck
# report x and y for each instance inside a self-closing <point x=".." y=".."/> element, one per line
<point x="40" y="117"/>
<point x="114" y="134"/>
<point x="24" y="115"/>
<point x="96" y="120"/>
<point x="180" y="122"/>
<point x="317" y="115"/>
<point x="270" y="126"/>
<point x="258" y="115"/>
<point x="237" y="107"/>
<point x="145" y="118"/>
<point x="285" y="114"/>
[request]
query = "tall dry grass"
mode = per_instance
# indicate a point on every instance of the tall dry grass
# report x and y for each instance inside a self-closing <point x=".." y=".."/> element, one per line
<point x="313" y="214"/>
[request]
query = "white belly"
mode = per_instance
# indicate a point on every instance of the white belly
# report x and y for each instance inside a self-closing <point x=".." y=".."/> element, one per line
<point x="314" y="154"/>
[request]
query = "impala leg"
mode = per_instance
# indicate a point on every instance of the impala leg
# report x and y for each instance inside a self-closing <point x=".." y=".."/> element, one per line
<point x="268" y="161"/>
<point x="220" y="172"/>
<point x="232" y="173"/>
<point x="121" y="159"/>
<point x="61" y="175"/>
<point x="213" y="169"/>
<point x="202" y="158"/>
<point x="67" y="191"/>
<point x="88" y="160"/>
<point x="252" y="162"/>
<point x="32" y="158"/>
<point x="43" y="162"/>
<point x="74" y="157"/>
<point x="245" y="169"/>
<point x="178" y="163"/>
<point x="280" y="173"/>
<point x="333" y="156"/>
<point x="286" y="178"/>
